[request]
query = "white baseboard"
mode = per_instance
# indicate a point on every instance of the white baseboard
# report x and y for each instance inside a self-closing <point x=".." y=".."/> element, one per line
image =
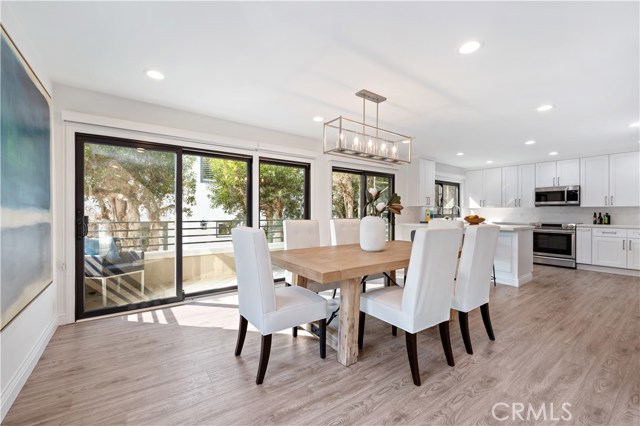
<point x="618" y="271"/>
<point x="508" y="279"/>
<point x="10" y="393"/>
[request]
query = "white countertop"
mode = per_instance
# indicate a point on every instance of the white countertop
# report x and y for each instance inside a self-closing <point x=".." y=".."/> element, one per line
<point x="616" y="226"/>
<point x="503" y="228"/>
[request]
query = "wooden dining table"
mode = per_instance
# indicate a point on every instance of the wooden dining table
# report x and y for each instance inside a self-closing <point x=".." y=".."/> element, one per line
<point x="346" y="264"/>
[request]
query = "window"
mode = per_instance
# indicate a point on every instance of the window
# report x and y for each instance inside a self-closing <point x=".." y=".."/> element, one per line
<point x="284" y="194"/>
<point x="348" y="188"/>
<point x="448" y="198"/>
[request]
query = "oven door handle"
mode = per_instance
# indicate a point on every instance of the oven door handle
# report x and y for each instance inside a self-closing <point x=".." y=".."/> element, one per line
<point x="554" y="231"/>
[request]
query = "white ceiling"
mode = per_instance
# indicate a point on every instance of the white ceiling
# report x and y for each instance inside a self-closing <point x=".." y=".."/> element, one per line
<point x="277" y="65"/>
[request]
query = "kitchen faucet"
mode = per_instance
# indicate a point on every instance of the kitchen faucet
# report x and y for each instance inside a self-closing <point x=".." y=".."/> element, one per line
<point x="453" y="211"/>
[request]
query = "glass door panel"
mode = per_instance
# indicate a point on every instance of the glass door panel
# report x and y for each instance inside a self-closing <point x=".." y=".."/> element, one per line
<point x="346" y="195"/>
<point x="384" y="184"/>
<point x="284" y="194"/>
<point x="216" y="194"/>
<point x="127" y="195"/>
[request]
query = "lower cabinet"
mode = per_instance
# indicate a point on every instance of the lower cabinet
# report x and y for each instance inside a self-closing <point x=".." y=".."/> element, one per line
<point x="583" y="246"/>
<point x="615" y="248"/>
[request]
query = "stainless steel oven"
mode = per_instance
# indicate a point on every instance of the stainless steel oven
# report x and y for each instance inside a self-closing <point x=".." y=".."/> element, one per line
<point x="555" y="244"/>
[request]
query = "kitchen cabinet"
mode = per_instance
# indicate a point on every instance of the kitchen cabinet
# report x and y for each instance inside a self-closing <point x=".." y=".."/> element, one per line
<point x="610" y="180"/>
<point x="624" y="179"/>
<point x="583" y="245"/>
<point x="422" y="183"/>
<point x="633" y="254"/>
<point x="594" y="181"/>
<point x="609" y="247"/>
<point x="484" y="188"/>
<point x="518" y="186"/>
<point x="558" y="173"/>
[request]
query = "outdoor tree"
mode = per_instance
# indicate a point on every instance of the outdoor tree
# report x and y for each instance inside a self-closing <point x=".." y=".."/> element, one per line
<point x="126" y="185"/>
<point x="281" y="192"/>
<point x="345" y="195"/>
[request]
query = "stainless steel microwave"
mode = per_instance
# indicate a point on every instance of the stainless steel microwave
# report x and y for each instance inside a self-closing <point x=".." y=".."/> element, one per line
<point x="558" y="196"/>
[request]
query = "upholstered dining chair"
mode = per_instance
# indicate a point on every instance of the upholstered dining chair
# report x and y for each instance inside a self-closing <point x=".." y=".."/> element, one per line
<point x="267" y="308"/>
<point x="472" y="282"/>
<point x="425" y="299"/>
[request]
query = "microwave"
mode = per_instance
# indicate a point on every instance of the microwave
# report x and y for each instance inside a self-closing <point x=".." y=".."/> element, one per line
<point x="558" y="196"/>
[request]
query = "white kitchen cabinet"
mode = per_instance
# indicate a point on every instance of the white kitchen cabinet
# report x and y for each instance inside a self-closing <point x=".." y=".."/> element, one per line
<point x="422" y="183"/>
<point x="568" y="172"/>
<point x="558" y="173"/>
<point x="610" y="180"/>
<point x="594" y="181"/>
<point x="518" y="186"/>
<point x="624" y="179"/>
<point x="546" y="174"/>
<point x="633" y="253"/>
<point x="492" y="182"/>
<point x="510" y="186"/>
<point x="583" y="245"/>
<point x="609" y="247"/>
<point x="484" y="188"/>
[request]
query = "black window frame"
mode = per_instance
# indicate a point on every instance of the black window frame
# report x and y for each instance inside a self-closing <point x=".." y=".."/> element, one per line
<point x="441" y="198"/>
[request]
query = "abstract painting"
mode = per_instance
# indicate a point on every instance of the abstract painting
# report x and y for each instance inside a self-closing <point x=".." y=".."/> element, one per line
<point x="26" y="265"/>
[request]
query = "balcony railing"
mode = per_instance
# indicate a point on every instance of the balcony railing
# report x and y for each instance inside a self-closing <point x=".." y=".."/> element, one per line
<point x="160" y="235"/>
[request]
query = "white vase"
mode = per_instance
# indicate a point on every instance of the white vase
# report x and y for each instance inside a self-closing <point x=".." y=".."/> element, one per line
<point x="372" y="233"/>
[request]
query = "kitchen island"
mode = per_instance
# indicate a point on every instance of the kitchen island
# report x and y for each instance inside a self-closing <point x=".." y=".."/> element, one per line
<point x="514" y="253"/>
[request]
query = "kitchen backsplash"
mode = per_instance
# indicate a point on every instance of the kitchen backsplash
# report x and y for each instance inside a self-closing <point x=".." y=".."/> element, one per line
<point x="565" y="214"/>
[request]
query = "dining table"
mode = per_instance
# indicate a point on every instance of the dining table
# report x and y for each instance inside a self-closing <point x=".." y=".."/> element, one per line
<point x="346" y="264"/>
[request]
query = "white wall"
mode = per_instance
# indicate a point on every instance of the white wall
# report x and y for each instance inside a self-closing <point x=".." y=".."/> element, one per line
<point x="23" y="340"/>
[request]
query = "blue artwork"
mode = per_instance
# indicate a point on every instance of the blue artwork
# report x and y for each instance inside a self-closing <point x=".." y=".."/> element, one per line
<point x="26" y="266"/>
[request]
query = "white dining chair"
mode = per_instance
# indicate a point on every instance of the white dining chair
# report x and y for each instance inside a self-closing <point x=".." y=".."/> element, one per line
<point x="473" y="282"/>
<point x="425" y="299"/>
<point x="267" y="308"/>
<point x="347" y="231"/>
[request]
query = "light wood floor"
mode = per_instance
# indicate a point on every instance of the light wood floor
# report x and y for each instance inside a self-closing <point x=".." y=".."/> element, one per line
<point x="568" y="336"/>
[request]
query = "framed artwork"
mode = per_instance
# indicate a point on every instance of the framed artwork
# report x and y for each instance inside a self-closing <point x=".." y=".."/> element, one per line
<point x="26" y="261"/>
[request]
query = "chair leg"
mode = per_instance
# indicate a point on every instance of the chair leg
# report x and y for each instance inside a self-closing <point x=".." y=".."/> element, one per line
<point x="335" y="291"/>
<point x="412" y="353"/>
<point x="364" y="286"/>
<point x="323" y="338"/>
<point x="242" y="332"/>
<point x="446" y="342"/>
<point x="494" y="275"/>
<point x="294" y="331"/>
<point x="484" y="309"/>
<point x="265" y="351"/>
<point x="394" y="330"/>
<point x="464" y="329"/>
<point x="361" y="330"/>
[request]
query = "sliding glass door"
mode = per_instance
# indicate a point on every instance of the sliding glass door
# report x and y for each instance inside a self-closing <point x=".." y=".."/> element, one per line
<point x="127" y="195"/>
<point x="153" y="222"/>
<point x="216" y="198"/>
<point x="348" y="193"/>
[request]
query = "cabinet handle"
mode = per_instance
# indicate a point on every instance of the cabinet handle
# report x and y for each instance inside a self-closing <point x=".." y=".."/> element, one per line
<point x="623" y="241"/>
<point x="629" y="245"/>
<point x="612" y="232"/>
<point x="558" y="179"/>
<point x="611" y="199"/>
<point x="605" y="200"/>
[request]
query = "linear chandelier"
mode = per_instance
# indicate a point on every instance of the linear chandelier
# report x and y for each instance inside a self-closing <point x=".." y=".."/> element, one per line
<point x="347" y="137"/>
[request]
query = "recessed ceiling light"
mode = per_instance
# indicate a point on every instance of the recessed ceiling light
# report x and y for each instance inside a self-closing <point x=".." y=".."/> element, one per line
<point x="469" y="47"/>
<point x="636" y="124"/>
<point x="154" y="74"/>
<point x="460" y="154"/>
<point x="489" y="162"/>
<point x="553" y="153"/>
<point x="318" y="119"/>
<point x="543" y="108"/>
<point x="529" y="142"/>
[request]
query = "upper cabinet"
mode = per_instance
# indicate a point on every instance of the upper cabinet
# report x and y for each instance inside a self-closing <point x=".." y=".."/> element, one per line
<point x="558" y="173"/>
<point x="611" y="180"/>
<point x="518" y="186"/>
<point x="422" y="183"/>
<point x="484" y="188"/>
<point x="624" y="179"/>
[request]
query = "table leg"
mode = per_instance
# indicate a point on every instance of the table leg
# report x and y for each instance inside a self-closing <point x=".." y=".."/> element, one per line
<point x="349" y="317"/>
<point x="392" y="274"/>
<point x="299" y="281"/>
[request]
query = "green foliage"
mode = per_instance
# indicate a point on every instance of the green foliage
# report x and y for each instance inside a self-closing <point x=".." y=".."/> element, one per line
<point x="228" y="187"/>
<point x="345" y="195"/>
<point x="281" y="192"/>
